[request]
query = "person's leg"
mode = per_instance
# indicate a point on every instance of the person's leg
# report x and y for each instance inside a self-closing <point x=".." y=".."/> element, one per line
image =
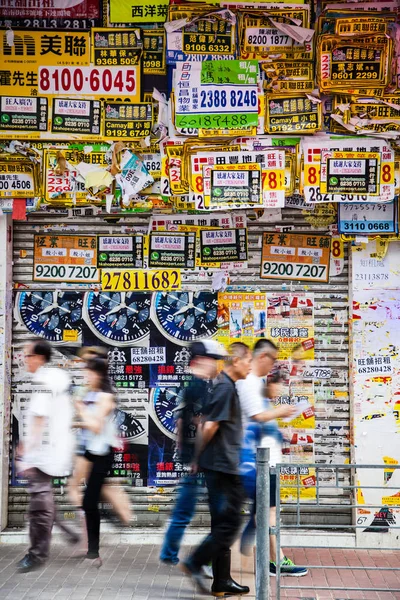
<point x="80" y="472"/>
<point x="119" y="500"/>
<point x="226" y="523"/>
<point x="182" y="514"/>
<point x="41" y="514"/>
<point x="101" y="466"/>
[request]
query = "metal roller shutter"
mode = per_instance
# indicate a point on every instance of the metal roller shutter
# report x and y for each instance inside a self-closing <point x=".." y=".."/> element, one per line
<point x="331" y="349"/>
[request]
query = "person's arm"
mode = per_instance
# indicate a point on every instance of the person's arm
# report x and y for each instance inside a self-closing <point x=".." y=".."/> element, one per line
<point x="94" y="421"/>
<point x="280" y="412"/>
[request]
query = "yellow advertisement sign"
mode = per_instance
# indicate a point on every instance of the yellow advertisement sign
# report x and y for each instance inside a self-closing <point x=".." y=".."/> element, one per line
<point x="24" y="64"/>
<point x="130" y="280"/>
<point x="138" y="11"/>
<point x="17" y="179"/>
<point x="241" y="317"/>
<point x="298" y="482"/>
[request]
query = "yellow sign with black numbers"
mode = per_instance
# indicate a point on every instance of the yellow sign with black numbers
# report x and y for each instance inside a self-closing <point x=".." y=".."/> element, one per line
<point x="132" y="280"/>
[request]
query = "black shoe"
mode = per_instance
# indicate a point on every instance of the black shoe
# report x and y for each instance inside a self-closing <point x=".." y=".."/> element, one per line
<point x="196" y="576"/>
<point x="28" y="563"/>
<point x="223" y="584"/>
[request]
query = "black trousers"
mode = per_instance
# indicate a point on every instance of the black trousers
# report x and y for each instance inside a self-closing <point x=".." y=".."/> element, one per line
<point x="225" y="519"/>
<point x="100" y="469"/>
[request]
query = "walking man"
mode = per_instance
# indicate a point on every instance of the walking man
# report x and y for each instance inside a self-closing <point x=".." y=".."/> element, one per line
<point x="219" y="453"/>
<point x="256" y="408"/>
<point x="203" y="366"/>
<point x="47" y="447"/>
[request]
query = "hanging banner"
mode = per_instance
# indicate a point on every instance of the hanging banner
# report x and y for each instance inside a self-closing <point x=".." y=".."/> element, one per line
<point x="241" y="317"/>
<point x="120" y="251"/>
<point x="127" y="121"/>
<point x="121" y="280"/>
<point x="116" y="47"/>
<point x="138" y="11"/>
<point x="295" y="256"/>
<point x="365" y="219"/>
<point x="22" y="114"/>
<point x="173" y="250"/>
<point x="78" y="117"/>
<point x="223" y="245"/>
<point x="17" y="179"/>
<point x="65" y="258"/>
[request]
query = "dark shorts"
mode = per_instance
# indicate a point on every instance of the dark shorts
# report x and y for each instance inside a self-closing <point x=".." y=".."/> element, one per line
<point x="272" y="491"/>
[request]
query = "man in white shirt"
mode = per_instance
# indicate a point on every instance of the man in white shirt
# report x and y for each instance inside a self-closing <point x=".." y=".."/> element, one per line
<point x="47" y="447"/>
<point x="255" y="407"/>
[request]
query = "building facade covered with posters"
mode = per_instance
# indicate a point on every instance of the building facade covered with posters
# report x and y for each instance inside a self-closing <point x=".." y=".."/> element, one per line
<point x="171" y="171"/>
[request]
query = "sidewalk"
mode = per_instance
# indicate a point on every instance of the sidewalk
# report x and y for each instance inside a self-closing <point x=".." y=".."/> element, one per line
<point x="134" y="573"/>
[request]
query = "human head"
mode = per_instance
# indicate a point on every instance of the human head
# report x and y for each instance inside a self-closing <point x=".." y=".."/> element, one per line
<point x="204" y="357"/>
<point x="36" y="354"/>
<point x="265" y="354"/>
<point x="274" y="385"/>
<point x="87" y="352"/>
<point x="238" y="361"/>
<point x="96" y="373"/>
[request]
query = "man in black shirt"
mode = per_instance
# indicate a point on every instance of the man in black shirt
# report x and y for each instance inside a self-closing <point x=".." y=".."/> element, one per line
<point x="219" y="455"/>
<point x="203" y="366"/>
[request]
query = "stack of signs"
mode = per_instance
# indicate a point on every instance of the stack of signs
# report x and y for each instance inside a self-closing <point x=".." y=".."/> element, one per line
<point x="348" y="170"/>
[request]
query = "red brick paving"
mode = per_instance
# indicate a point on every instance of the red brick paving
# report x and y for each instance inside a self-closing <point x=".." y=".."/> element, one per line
<point x="134" y="573"/>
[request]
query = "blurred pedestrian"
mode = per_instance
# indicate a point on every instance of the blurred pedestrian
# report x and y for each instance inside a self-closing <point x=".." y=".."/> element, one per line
<point x="261" y="429"/>
<point x="95" y="414"/>
<point x="115" y="495"/>
<point x="47" y="447"/>
<point x="218" y="450"/>
<point x="203" y="367"/>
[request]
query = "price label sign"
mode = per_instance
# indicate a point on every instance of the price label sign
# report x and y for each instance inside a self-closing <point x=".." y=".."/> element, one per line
<point x="302" y="256"/>
<point x="366" y="219"/>
<point x="17" y="179"/>
<point x="66" y="258"/>
<point x="223" y="245"/>
<point x="120" y="251"/>
<point x="81" y="117"/>
<point x="20" y="113"/>
<point x="226" y="94"/>
<point x="128" y="121"/>
<point x="174" y="250"/>
<point x="121" y="280"/>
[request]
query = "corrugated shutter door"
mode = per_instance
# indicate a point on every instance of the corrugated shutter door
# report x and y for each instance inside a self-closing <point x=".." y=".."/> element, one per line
<point x="331" y="349"/>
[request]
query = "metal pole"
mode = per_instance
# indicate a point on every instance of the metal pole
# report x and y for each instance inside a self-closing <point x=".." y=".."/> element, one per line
<point x="262" y="531"/>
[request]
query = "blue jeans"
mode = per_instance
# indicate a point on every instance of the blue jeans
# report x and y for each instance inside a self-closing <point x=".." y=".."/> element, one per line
<point x="183" y="513"/>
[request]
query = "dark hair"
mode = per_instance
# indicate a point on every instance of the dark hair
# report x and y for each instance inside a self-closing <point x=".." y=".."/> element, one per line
<point x="264" y="344"/>
<point x="42" y="348"/>
<point x="100" y="366"/>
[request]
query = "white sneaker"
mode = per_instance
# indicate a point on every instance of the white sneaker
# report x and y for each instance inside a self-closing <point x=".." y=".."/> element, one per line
<point x="207" y="571"/>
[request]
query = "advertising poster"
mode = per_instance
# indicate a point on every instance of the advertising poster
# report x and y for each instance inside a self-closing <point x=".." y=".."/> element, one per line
<point x="241" y="317"/>
<point x="228" y="245"/>
<point x="290" y="325"/>
<point x="120" y="251"/>
<point x="65" y="258"/>
<point x="23" y="114"/>
<point x="298" y="483"/>
<point x="295" y="256"/>
<point x="128" y="121"/>
<point x="366" y="219"/>
<point x="78" y="117"/>
<point x="17" y="178"/>
<point x="173" y="250"/>
<point x="50" y="14"/>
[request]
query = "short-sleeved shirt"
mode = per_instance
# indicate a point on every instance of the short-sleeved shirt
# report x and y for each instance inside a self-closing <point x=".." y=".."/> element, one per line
<point x="222" y="453"/>
<point x="253" y="403"/>
<point x="195" y="402"/>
